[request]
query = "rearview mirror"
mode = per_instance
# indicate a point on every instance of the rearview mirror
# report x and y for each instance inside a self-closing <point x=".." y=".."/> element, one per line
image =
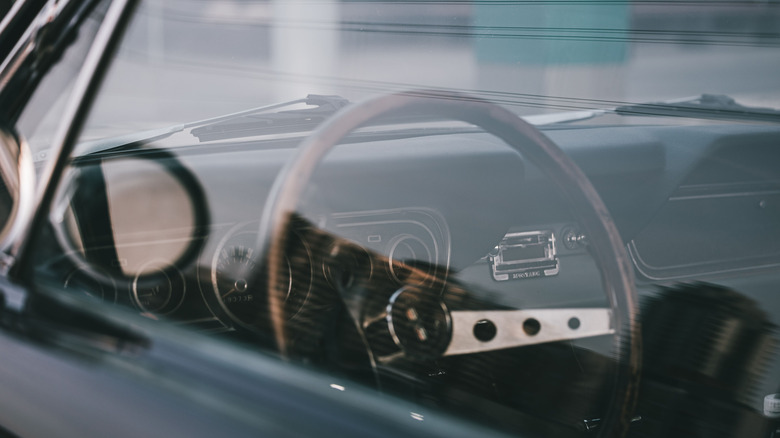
<point x="141" y="217"/>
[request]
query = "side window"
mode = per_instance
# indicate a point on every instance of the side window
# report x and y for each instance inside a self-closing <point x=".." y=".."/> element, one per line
<point x="39" y="121"/>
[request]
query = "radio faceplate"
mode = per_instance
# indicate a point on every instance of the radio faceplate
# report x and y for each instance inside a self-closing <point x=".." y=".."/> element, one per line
<point x="527" y="254"/>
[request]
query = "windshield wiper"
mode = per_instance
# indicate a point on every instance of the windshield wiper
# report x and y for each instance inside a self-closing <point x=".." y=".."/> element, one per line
<point x="254" y="121"/>
<point x="260" y="122"/>
<point x="706" y="106"/>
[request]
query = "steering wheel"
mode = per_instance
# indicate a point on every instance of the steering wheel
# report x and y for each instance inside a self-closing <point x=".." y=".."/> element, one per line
<point x="456" y="332"/>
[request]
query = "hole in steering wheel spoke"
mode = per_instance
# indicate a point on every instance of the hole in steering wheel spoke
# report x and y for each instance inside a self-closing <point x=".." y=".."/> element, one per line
<point x="485" y="330"/>
<point x="532" y="326"/>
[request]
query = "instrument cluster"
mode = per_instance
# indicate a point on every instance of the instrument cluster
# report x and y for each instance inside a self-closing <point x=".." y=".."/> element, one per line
<point x="381" y="244"/>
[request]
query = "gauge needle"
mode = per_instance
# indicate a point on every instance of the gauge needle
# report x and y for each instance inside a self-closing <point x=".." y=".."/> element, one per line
<point x="229" y="292"/>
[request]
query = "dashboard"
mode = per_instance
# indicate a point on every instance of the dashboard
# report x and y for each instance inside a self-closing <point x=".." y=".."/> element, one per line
<point x="695" y="205"/>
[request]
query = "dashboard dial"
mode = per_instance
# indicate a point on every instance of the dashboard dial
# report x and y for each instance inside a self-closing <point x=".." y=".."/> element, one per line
<point x="238" y="288"/>
<point x="158" y="290"/>
<point x="84" y="281"/>
<point x="346" y="265"/>
<point x="234" y="267"/>
<point x="408" y="251"/>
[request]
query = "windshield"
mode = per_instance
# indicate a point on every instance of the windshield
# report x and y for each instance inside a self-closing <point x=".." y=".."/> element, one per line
<point x="184" y="61"/>
<point x="550" y="218"/>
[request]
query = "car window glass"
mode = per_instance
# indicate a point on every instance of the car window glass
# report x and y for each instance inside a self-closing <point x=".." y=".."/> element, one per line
<point x="41" y="117"/>
<point x="445" y="251"/>
<point x="184" y="61"/>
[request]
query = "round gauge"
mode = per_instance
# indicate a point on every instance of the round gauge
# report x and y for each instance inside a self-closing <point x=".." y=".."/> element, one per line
<point x="158" y="290"/>
<point x="408" y="251"/>
<point x="345" y="265"/>
<point x="233" y="271"/>
<point x="81" y="280"/>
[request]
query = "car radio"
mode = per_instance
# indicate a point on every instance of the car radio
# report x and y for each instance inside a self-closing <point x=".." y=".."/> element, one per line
<point x="522" y="255"/>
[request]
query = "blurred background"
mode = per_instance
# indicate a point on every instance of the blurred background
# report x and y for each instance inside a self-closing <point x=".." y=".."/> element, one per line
<point x="188" y="60"/>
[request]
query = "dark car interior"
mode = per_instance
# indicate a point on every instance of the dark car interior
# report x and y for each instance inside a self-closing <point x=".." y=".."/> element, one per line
<point x="498" y="215"/>
<point x="168" y="226"/>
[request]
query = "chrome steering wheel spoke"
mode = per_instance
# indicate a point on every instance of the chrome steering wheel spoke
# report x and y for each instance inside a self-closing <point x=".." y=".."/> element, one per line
<point x="488" y="330"/>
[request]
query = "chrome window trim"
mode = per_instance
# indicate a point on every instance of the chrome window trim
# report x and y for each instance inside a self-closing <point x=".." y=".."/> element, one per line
<point x="86" y="85"/>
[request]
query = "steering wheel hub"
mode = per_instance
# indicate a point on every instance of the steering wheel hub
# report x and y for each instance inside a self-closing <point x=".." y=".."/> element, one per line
<point x="419" y="323"/>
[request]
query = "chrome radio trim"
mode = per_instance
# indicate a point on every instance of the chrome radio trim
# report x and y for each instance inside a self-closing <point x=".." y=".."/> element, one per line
<point x="533" y="264"/>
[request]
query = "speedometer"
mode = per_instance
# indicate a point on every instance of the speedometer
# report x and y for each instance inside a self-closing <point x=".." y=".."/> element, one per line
<point x="234" y="267"/>
<point x="240" y="291"/>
